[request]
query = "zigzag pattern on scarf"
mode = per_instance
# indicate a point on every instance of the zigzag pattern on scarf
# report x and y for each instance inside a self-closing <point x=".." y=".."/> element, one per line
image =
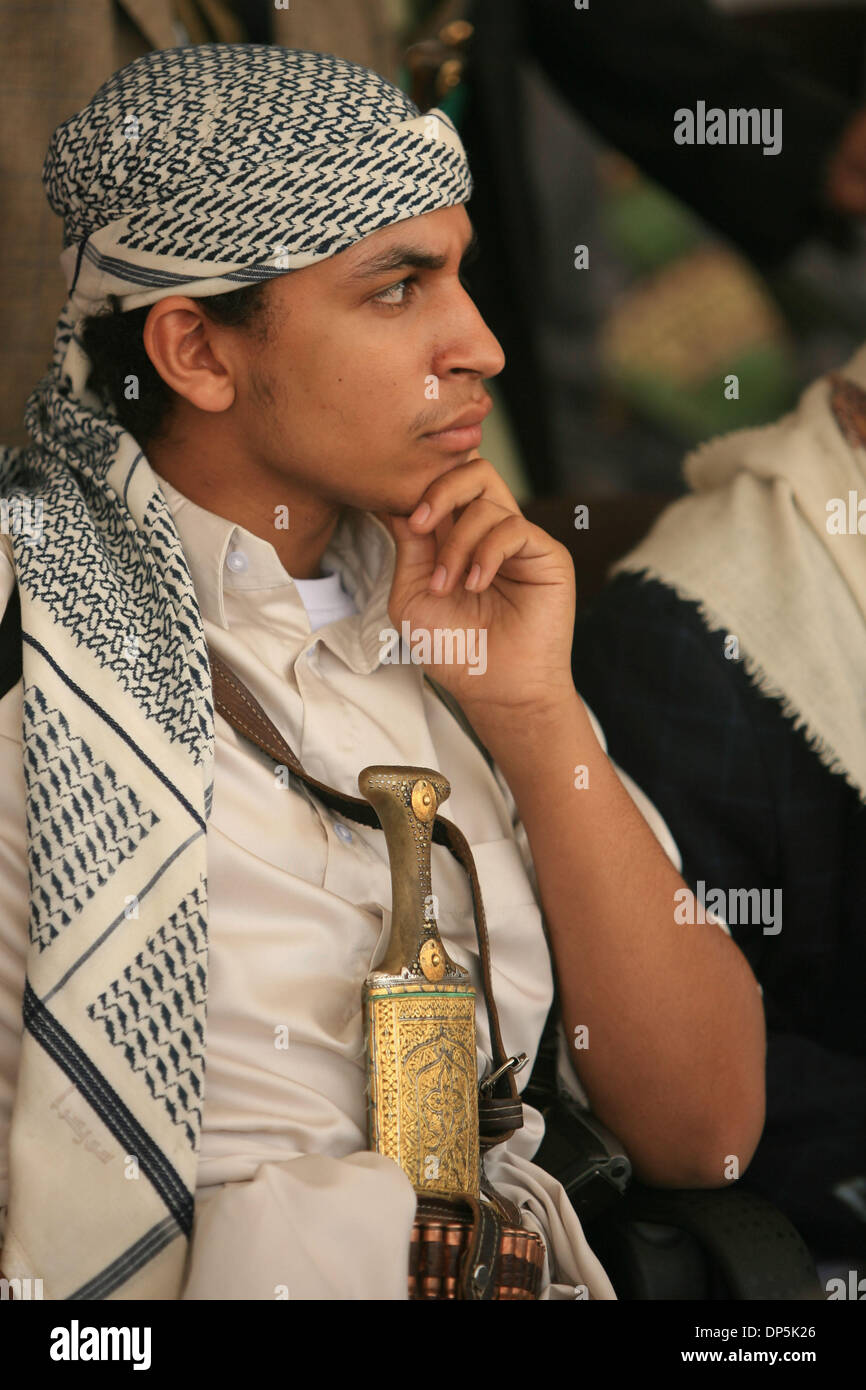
<point x="198" y="223"/>
<point x="250" y="156"/>
<point x="152" y="1013"/>
<point x="81" y="822"/>
<point x="92" y="599"/>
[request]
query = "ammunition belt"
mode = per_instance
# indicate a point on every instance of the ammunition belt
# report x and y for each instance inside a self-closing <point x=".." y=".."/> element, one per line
<point x="462" y="1249"/>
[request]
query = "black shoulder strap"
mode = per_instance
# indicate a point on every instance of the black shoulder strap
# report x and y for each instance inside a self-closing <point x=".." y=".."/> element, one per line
<point x="10" y="644"/>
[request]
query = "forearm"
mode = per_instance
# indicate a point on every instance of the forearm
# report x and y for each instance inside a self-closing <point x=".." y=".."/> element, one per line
<point x="674" y="1059"/>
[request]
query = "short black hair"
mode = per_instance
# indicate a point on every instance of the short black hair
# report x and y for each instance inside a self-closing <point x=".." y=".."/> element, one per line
<point x="113" y="340"/>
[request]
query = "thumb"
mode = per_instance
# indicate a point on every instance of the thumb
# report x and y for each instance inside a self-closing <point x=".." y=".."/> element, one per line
<point x="415" y="554"/>
<point x="414" y="561"/>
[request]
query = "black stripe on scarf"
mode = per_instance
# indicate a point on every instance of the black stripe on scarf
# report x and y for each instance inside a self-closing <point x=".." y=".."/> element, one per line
<point x="105" y="1102"/>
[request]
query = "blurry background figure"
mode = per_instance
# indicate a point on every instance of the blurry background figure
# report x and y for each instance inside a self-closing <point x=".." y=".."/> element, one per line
<point x="637" y="347"/>
<point x="611" y="369"/>
<point x="637" y="351"/>
<point x="760" y="276"/>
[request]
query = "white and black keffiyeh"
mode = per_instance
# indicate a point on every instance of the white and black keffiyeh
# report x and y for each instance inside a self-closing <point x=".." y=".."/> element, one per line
<point x="195" y="171"/>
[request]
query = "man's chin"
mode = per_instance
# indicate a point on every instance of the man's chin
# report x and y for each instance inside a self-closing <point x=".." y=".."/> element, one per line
<point x="442" y="461"/>
<point x="404" y="503"/>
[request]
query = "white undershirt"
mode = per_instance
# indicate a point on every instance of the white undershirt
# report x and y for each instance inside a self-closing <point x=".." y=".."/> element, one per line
<point x="325" y="600"/>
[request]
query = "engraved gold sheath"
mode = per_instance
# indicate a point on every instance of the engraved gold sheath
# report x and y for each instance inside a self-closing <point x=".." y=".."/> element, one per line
<point x="419" y="1006"/>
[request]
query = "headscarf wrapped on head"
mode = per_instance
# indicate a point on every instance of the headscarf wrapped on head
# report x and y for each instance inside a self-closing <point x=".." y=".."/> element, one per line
<point x="217" y="166"/>
<point x="192" y="171"/>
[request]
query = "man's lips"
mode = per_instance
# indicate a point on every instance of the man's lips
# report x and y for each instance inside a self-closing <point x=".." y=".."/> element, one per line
<point x="464" y="431"/>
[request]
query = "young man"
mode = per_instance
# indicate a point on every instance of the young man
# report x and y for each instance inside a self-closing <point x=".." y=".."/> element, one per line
<point x="184" y="904"/>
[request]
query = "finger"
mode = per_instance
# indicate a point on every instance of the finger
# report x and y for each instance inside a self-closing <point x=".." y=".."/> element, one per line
<point x="443" y="529"/>
<point x="453" y="553"/>
<point x="457" y="488"/>
<point x="414" y="556"/>
<point x="511" y="537"/>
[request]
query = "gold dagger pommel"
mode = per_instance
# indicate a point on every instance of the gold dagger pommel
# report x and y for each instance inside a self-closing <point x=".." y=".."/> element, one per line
<point x="406" y="800"/>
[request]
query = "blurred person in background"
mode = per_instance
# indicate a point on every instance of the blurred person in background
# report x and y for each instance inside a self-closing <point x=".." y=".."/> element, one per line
<point x="628" y="356"/>
<point x="726" y="659"/>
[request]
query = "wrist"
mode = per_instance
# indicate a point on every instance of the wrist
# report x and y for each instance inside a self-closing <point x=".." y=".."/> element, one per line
<point x="526" y="723"/>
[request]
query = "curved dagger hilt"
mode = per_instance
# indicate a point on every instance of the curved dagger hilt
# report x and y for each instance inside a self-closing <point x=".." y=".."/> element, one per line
<point x="406" y="800"/>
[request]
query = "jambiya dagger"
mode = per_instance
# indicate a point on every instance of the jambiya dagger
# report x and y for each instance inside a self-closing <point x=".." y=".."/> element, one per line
<point x="423" y="1106"/>
<point x="419" y="1006"/>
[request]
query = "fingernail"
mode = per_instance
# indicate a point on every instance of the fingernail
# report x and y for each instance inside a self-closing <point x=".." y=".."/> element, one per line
<point x="420" y="513"/>
<point x="438" y="577"/>
<point x="473" y="577"/>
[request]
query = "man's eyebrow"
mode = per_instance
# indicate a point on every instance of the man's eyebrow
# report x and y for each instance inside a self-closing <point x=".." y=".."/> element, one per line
<point x="403" y="254"/>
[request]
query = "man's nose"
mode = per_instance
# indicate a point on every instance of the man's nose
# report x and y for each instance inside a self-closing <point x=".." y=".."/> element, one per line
<point x="471" y="346"/>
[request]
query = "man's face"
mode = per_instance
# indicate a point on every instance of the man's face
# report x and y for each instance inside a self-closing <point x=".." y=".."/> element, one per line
<point x="369" y="352"/>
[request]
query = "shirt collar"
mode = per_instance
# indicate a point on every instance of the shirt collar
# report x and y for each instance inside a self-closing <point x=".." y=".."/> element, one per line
<point x="361" y="550"/>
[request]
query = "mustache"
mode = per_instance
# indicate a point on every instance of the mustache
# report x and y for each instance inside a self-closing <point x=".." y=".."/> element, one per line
<point x="427" y="423"/>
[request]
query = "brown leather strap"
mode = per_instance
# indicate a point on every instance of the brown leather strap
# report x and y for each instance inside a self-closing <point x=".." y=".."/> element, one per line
<point x="506" y="1208"/>
<point x="478" y="1267"/>
<point x="848" y="403"/>
<point x="500" y="1109"/>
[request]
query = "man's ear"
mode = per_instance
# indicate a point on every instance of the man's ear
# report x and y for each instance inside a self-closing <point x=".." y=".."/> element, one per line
<point x="191" y="353"/>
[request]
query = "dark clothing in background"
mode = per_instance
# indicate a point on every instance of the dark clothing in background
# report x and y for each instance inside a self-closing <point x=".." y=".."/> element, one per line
<point x="751" y="806"/>
<point x="626" y="66"/>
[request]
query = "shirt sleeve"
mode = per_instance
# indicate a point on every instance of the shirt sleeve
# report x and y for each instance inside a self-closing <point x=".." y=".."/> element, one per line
<point x="307" y="1227"/>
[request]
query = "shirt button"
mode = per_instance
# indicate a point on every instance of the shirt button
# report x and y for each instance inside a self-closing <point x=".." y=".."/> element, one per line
<point x="237" y="562"/>
<point x="344" y="832"/>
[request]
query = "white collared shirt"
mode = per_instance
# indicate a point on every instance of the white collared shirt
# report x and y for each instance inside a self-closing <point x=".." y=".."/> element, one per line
<point x="289" y="1203"/>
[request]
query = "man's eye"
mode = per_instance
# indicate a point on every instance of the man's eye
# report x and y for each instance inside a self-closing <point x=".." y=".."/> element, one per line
<point x="407" y="285"/>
